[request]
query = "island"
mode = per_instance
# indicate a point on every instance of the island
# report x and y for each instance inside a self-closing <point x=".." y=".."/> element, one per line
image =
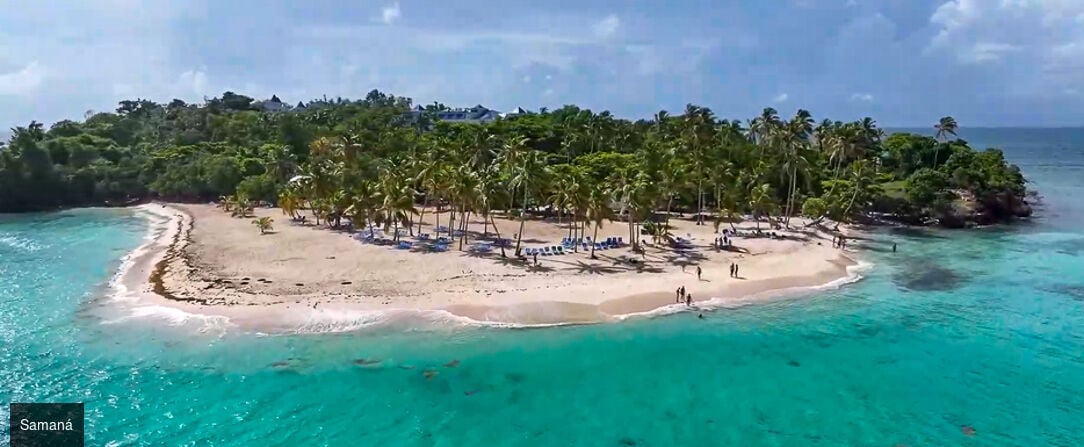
<point x="263" y="209"/>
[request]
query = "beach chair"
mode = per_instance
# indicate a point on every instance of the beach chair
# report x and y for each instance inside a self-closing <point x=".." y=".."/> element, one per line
<point x="560" y="250"/>
<point x="620" y="241"/>
<point x="546" y="251"/>
<point x="404" y="245"/>
<point x="584" y="246"/>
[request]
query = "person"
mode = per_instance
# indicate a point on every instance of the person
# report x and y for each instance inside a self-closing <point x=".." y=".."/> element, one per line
<point x="701" y="316"/>
<point x="731" y="269"/>
<point x="682" y="296"/>
<point x="736" y="270"/>
<point x="698" y="272"/>
<point x="536" y="258"/>
<point x="677" y="295"/>
<point x="689" y="299"/>
<point x="893" y="247"/>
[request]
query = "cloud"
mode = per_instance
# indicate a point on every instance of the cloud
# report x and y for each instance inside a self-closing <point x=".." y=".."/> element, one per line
<point x="862" y="97"/>
<point x="390" y="14"/>
<point x="192" y="82"/>
<point x="607" y="27"/>
<point x="23" y="81"/>
<point x="780" y="98"/>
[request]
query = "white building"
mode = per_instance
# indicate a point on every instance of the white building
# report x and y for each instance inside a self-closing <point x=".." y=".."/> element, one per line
<point x="476" y="114"/>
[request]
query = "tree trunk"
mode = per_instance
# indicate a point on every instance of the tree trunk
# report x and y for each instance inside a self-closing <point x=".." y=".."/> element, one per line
<point x="451" y="223"/>
<point x="593" y="242"/>
<point x="790" y="199"/>
<point x="522" y="217"/>
<point x="485" y="222"/>
<point x="669" y="205"/>
<point x="421" y="216"/>
<point x="700" y="202"/>
<point x="466" y="224"/>
<point x="499" y="241"/>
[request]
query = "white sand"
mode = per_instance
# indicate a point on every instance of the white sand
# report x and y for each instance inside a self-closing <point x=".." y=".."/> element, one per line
<point x="213" y="264"/>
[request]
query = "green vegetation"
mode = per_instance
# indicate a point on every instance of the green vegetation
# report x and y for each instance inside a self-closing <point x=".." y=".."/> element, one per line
<point x="370" y="161"/>
<point x="264" y="224"/>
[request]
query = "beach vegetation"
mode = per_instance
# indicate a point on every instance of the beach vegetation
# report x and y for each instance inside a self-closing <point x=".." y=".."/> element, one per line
<point x="264" y="224"/>
<point x="372" y="163"/>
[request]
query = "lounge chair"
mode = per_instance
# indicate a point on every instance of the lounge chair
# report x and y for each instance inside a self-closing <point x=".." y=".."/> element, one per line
<point x="546" y="251"/>
<point x="404" y="245"/>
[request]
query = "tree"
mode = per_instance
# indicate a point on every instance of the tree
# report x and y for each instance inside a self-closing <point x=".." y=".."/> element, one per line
<point x="945" y="127"/>
<point x="264" y="224"/>
<point x="761" y="201"/>
<point x="598" y="211"/>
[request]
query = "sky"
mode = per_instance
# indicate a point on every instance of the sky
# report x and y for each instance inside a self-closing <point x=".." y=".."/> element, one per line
<point x="903" y="62"/>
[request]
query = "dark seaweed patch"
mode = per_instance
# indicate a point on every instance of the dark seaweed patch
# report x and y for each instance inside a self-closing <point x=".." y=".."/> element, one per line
<point x="1072" y="247"/>
<point x="928" y="277"/>
<point x="1074" y="291"/>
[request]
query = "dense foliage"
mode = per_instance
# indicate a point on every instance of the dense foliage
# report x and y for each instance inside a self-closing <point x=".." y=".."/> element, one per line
<point x="370" y="160"/>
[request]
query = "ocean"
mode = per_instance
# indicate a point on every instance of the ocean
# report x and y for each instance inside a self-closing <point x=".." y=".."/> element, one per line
<point x="971" y="338"/>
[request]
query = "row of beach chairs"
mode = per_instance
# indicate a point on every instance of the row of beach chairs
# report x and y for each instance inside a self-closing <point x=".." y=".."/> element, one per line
<point x="586" y="243"/>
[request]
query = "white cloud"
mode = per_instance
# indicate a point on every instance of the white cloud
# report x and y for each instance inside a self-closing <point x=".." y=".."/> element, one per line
<point x="607" y="27"/>
<point x="527" y="79"/>
<point x="391" y="13"/>
<point x="23" y="81"/>
<point x="192" y="82"/>
<point x="547" y="92"/>
<point x="549" y="77"/>
<point x="862" y="97"/>
<point x="782" y="97"/>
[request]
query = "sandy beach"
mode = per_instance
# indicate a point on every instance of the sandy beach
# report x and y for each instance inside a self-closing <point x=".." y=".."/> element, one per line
<point x="202" y="261"/>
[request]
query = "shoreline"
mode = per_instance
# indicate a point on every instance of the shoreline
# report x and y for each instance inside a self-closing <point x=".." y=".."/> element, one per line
<point x="158" y="278"/>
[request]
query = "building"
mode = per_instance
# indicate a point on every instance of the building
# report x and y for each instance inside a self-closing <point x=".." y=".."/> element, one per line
<point x="272" y="105"/>
<point x="476" y="114"/>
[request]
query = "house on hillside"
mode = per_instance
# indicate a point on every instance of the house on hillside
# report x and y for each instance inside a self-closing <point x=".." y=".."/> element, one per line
<point x="272" y="105"/>
<point x="476" y="114"/>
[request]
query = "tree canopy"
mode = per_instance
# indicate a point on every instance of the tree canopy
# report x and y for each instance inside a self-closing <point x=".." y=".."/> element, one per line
<point x="372" y="159"/>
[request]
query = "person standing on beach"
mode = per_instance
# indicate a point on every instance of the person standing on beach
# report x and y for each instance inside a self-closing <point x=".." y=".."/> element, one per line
<point x="698" y="272"/>
<point x="736" y="270"/>
<point x="689" y="300"/>
<point x="677" y="295"/>
<point x="731" y="269"/>
<point x="682" y="294"/>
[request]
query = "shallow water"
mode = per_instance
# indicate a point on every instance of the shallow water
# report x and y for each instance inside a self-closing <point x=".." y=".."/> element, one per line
<point x="983" y="329"/>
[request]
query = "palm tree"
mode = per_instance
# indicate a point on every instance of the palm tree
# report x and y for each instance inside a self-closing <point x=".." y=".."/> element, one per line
<point x="487" y="192"/>
<point x="290" y="202"/>
<point x="528" y="176"/>
<point x="945" y="127"/>
<point x="795" y="138"/>
<point x="264" y="224"/>
<point x="761" y="201"/>
<point x="598" y="210"/>
<point x="396" y="199"/>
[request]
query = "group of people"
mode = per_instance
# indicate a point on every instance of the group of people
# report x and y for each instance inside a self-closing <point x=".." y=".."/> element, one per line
<point x="680" y="296"/>
<point x="733" y="269"/>
<point x="724" y="241"/>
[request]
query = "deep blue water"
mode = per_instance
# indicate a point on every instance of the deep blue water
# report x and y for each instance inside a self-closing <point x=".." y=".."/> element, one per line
<point x="983" y="329"/>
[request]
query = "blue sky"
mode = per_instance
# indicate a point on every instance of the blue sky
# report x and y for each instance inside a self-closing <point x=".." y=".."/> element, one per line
<point x="903" y="62"/>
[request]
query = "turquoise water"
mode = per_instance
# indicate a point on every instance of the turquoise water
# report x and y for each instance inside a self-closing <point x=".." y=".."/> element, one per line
<point x="982" y="329"/>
